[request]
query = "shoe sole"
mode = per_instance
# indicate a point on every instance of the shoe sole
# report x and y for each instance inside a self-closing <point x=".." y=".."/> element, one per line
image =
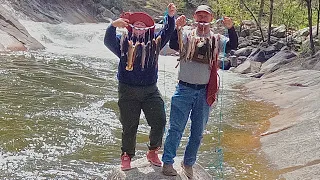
<point x="167" y="174"/>
<point x="190" y="176"/>
<point x="159" y="165"/>
<point x="126" y="169"/>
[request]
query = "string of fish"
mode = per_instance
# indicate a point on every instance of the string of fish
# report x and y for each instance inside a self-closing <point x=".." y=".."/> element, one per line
<point x="188" y="52"/>
<point x="138" y="51"/>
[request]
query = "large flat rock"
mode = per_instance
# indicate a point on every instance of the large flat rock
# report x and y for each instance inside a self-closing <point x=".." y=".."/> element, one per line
<point x="292" y="142"/>
<point x="143" y="170"/>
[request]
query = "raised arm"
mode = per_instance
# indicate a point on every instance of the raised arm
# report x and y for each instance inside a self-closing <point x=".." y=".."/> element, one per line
<point x="111" y="40"/>
<point x="180" y="22"/>
<point x="168" y="29"/>
<point x="232" y="44"/>
<point x="233" y="37"/>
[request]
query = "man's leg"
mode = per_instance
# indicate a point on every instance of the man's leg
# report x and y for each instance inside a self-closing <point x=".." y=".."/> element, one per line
<point x="181" y="105"/>
<point x="199" y="118"/>
<point x="153" y="108"/>
<point x="130" y="110"/>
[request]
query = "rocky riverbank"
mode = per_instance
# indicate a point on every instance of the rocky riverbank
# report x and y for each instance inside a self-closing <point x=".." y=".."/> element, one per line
<point x="291" y="82"/>
<point x="292" y="143"/>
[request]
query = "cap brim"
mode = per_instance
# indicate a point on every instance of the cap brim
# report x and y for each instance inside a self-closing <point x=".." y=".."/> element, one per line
<point x="138" y="16"/>
<point x="203" y="11"/>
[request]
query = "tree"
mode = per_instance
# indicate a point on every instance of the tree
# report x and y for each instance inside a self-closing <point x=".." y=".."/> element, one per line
<point x="255" y="19"/>
<point x="318" y="17"/>
<point x="310" y="26"/>
<point x="261" y="11"/>
<point x="270" y="21"/>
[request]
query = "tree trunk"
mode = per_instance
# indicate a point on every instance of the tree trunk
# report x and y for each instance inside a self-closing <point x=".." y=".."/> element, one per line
<point x="255" y="19"/>
<point x="310" y="26"/>
<point x="261" y="11"/>
<point x="270" y="21"/>
<point x="318" y="18"/>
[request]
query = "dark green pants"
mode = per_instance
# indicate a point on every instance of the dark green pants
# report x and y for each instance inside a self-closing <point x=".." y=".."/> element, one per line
<point x="132" y="100"/>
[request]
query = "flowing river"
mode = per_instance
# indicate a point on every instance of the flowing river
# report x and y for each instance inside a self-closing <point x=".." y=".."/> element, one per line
<point x="59" y="113"/>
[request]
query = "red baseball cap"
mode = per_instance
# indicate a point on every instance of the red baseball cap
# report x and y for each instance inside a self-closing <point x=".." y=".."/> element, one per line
<point x="138" y="16"/>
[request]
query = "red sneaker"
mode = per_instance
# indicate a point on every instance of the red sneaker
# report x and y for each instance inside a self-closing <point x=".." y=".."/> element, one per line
<point x="152" y="157"/>
<point x="125" y="162"/>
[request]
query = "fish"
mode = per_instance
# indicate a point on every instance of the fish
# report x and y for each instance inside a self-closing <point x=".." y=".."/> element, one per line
<point x="143" y="56"/>
<point x="152" y="51"/>
<point x="122" y="39"/>
<point x="135" y="52"/>
<point x="130" y="57"/>
<point x="193" y="47"/>
<point x="158" y="48"/>
<point x="148" y="50"/>
<point x="188" y="48"/>
<point x="180" y="39"/>
<point x="216" y="50"/>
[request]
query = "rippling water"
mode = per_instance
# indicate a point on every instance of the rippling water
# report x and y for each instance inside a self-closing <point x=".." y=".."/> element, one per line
<point x="59" y="113"/>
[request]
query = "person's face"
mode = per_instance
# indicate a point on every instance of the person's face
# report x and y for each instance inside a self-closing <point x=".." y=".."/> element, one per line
<point x="138" y="32"/>
<point x="203" y="17"/>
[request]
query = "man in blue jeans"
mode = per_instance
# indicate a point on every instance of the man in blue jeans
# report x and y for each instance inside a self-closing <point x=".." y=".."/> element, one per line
<point x="197" y="87"/>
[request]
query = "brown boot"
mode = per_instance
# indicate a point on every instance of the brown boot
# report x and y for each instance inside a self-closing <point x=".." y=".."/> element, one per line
<point x="168" y="170"/>
<point x="188" y="171"/>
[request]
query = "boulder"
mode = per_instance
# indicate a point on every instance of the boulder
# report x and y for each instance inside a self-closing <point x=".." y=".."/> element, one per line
<point x="143" y="170"/>
<point x="241" y="59"/>
<point x="277" y="61"/>
<point x="279" y="32"/>
<point x="14" y="35"/>
<point x="246" y="51"/>
<point x="224" y="64"/>
<point x="280" y="56"/>
<point x="248" y="67"/>
<point x="258" y="55"/>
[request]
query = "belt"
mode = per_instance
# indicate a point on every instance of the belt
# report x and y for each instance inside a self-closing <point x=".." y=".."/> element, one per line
<point x="193" y="86"/>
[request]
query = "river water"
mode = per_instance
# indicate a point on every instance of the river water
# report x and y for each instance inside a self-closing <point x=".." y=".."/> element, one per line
<point x="59" y="113"/>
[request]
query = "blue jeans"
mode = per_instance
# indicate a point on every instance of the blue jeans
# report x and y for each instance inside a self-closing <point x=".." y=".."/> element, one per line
<point x="186" y="101"/>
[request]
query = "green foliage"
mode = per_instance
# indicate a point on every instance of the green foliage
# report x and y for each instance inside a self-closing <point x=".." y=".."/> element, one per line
<point x="292" y="13"/>
<point x="230" y="8"/>
<point x="181" y="5"/>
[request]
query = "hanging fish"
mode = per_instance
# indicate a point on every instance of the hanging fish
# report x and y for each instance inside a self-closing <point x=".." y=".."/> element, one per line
<point x="148" y="50"/>
<point x="122" y="45"/>
<point x="143" y="56"/>
<point x="131" y="48"/>
<point x="201" y="42"/>
<point x="216" y="51"/>
<point x="158" y="48"/>
<point x="180" y="39"/>
<point x="152" y="51"/>
<point x="137" y="46"/>
<point x="193" y="47"/>
<point x="189" y="44"/>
